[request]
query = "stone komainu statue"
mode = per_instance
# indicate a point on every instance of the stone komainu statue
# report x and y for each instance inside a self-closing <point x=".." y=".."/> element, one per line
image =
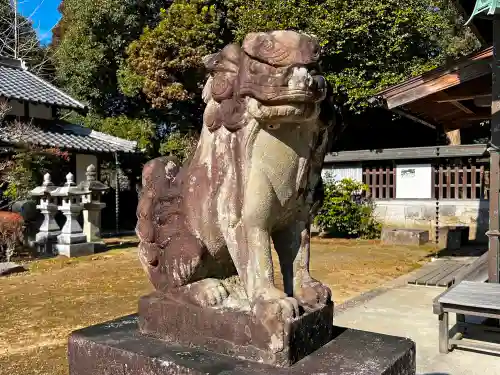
<point x="253" y="178"/>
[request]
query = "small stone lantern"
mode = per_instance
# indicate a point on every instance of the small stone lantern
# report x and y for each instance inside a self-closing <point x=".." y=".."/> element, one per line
<point x="72" y="241"/>
<point x="49" y="230"/>
<point x="92" y="206"/>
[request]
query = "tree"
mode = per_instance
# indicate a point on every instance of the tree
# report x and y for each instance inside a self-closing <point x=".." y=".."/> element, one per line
<point x="58" y="29"/>
<point x="19" y="40"/>
<point x="367" y="46"/>
<point x="165" y="63"/>
<point x="137" y="129"/>
<point x="91" y="42"/>
<point x="23" y="169"/>
<point x="128" y="58"/>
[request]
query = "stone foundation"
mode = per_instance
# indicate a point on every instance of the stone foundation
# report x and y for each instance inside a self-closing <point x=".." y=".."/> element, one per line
<point x="117" y="348"/>
<point x="233" y="332"/>
<point x="413" y="237"/>
<point x="421" y="214"/>
<point x="75" y="250"/>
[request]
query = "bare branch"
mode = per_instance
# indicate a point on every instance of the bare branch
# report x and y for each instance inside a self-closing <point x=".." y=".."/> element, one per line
<point x="30" y="17"/>
<point x="4" y="109"/>
<point x="18" y="38"/>
<point x="18" y="131"/>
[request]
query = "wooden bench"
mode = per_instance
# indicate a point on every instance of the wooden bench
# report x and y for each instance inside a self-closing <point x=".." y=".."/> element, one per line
<point x="470" y="298"/>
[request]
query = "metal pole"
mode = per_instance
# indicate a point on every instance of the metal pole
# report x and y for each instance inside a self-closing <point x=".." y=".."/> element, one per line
<point x="494" y="229"/>
<point x="117" y="194"/>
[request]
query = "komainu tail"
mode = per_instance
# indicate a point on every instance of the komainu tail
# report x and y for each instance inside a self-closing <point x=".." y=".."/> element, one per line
<point x="159" y="198"/>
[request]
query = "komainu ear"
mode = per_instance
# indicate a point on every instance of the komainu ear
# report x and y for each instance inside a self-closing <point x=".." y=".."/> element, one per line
<point x="224" y="68"/>
<point x="210" y="61"/>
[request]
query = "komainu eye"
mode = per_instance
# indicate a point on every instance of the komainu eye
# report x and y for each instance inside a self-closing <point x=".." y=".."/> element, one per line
<point x="273" y="126"/>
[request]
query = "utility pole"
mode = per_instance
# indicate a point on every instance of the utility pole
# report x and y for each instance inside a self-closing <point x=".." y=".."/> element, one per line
<point x="16" y="30"/>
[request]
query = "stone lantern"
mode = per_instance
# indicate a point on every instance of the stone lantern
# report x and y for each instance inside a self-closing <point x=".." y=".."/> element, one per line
<point x="49" y="230"/>
<point x="92" y="206"/>
<point x="72" y="241"/>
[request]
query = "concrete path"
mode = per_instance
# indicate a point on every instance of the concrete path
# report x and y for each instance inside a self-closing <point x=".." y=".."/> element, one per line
<point x="406" y="311"/>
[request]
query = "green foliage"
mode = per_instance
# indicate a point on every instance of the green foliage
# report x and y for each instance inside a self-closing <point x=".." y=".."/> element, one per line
<point x="178" y="144"/>
<point x="165" y="63"/>
<point x="141" y="130"/>
<point x="25" y="169"/>
<point x="90" y="44"/>
<point x="342" y="215"/>
<point x="166" y="60"/>
<point x="367" y="45"/>
<point x="134" y="59"/>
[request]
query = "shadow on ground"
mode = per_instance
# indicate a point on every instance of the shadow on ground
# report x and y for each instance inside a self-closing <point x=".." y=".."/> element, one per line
<point x="471" y="249"/>
<point x="117" y="246"/>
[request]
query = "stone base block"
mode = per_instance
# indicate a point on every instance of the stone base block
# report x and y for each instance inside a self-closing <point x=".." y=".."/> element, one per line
<point x="117" y="348"/>
<point x="75" y="250"/>
<point x="45" y="243"/>
<point x="71" y="238"/>
<point x="415" y="237"/>
<point x="99" y="246"/>
<point x="42" y="237"/>
<point x="453" y="237"/>
<point x="234" y="332"/>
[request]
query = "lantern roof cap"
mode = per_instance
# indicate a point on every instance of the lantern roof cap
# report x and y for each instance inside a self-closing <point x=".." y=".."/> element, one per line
<point x="69" y="188"/>
<point x="46" y="188"/>
<point x="91" y="184"/>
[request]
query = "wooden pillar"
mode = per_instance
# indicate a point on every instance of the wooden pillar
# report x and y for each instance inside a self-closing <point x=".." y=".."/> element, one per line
<point x="453" y="137"/>
<point x="494" y="228"/>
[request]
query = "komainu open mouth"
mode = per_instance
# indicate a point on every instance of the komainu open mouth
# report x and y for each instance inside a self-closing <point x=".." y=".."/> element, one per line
<point x="281" y="112"/>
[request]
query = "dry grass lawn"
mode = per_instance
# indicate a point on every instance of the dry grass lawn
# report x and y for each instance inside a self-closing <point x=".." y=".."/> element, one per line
<point x="38" y="309"/>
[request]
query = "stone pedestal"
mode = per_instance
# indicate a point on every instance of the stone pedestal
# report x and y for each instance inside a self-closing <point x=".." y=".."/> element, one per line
<point x="92" y="206"/>
<point x="118" y="348"/>
<point x="75" y="250"/>
<point x="49" y="230"/>
<point x="412" y="237"/>
<point x="72" y="241"/>
<point x="47" y="233"/>
<point x="92" y="223"/>
<point x="453" y="237"/>
<point x="234" y="332"/>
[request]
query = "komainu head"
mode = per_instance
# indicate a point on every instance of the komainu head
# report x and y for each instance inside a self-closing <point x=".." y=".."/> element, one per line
<point x="273" y="77"/>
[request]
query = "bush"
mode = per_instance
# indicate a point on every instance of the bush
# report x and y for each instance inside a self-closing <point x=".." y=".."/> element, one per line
<point x="11" y="234"/>
<point x="346" y="212"/>
<point x="23" y="170"/>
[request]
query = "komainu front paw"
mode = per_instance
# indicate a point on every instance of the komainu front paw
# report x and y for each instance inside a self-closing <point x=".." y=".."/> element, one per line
<point x="273" y="314"/>
<point x="207" y="292"/>
<point x="313" y="293"/>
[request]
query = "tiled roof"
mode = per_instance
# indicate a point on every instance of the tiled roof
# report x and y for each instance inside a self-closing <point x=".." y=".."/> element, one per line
<point x="68" y="137"/>
<point x="16" y="82"/>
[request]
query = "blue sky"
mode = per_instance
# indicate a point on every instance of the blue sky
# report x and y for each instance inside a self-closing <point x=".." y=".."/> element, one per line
<point x="44" y="15"/>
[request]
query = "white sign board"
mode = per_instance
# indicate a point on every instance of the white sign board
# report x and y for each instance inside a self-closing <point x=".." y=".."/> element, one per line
<point x="337" y="172"/>
<point x="413" y="181"/>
